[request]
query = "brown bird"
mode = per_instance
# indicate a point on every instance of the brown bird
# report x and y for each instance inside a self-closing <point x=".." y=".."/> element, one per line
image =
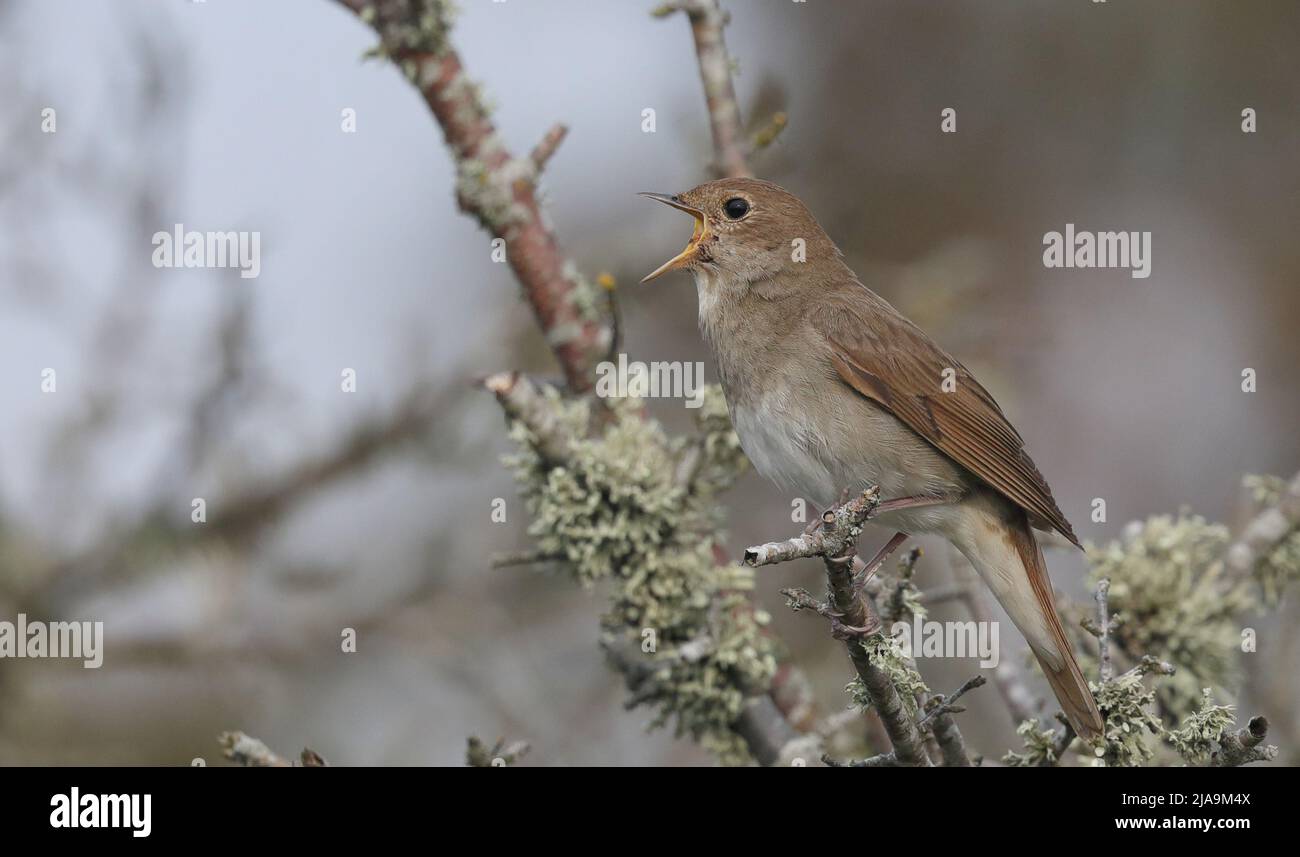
<point x="831" y="389"/>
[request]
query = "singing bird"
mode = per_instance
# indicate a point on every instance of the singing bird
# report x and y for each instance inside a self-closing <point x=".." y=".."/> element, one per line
<point x="831" y="389"/>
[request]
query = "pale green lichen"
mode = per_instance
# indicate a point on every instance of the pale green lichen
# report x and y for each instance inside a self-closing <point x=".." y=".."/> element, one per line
<point x="617" y="514"/>
<point x="886" y="653"/>
<point x="1201" y="731"/>
<point x="1175" y="602"/>
<point x="900" y="599"/>
<point x="1126" y="704"/>
<point x="1040" y="747"/>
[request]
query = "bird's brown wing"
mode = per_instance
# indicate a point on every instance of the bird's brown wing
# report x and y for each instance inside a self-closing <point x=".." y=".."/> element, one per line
<point x="892" y="362"/>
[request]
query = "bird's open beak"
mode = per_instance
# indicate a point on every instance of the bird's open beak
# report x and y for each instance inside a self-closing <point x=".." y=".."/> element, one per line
<point x="685" y="256"/>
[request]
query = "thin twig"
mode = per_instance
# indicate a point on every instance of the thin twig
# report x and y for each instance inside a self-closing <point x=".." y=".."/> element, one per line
<point x="1107" y="670"/>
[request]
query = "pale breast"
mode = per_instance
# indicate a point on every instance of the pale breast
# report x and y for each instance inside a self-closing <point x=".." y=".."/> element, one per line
<point x="785" y="448"/>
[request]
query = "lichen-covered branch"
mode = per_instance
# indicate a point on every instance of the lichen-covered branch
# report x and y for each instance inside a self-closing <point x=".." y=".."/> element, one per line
<point x="1244" y="746"/>
<point x="853" y="618"/>
<point x="496" y="188"/>
<point x="607" y="500"/>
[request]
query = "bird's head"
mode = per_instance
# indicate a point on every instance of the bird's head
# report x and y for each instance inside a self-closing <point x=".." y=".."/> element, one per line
<point x="745" y="229"/>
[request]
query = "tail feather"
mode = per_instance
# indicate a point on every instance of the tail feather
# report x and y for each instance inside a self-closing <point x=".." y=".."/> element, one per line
<point x="1063" y="673"/>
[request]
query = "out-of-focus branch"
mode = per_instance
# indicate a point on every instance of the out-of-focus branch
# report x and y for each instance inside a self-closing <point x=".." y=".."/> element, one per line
<point x="707" y="22"/>
<point x="499" y="755"/>
<point x="493" y="186"/>
<point x="241" y="516"/>
<point x="251" y="753"/>
<point x="1265" y="530"/>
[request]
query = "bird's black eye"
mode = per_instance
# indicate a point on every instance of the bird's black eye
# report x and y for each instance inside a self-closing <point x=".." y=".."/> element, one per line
<point x="736" y="208"/>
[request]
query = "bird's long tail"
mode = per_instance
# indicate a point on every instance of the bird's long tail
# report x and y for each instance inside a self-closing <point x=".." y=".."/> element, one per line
<point x="1008" y="558"/>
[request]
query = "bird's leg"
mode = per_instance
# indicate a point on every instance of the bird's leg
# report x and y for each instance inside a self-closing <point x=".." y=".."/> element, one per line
<point x="918" y="501"/>
<point x="869" y="570"/>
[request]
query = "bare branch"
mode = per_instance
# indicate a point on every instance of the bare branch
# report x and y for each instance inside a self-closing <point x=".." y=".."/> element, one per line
<point x="1107" y="670"/>
<point x="543" y="151"/>
<point x="707" y="22"/>
<point x="938" y="718"/>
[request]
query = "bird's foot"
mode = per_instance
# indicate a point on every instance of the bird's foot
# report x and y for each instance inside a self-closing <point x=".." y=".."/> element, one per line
<point x="841" y="631"/>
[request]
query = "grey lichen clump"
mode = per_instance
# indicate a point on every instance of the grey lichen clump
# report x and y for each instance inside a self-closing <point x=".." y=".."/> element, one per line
<point x="1041" y="747"/>
<point x="619" y="512"/>
<point x="1126" y="705"/>
<point x="1175" y="602"/>
<point x="1202" y="730"/>
<point x="886" y="653"/>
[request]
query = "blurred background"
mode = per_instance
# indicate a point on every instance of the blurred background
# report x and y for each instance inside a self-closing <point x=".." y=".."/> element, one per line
<point x="371" y="510"/>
